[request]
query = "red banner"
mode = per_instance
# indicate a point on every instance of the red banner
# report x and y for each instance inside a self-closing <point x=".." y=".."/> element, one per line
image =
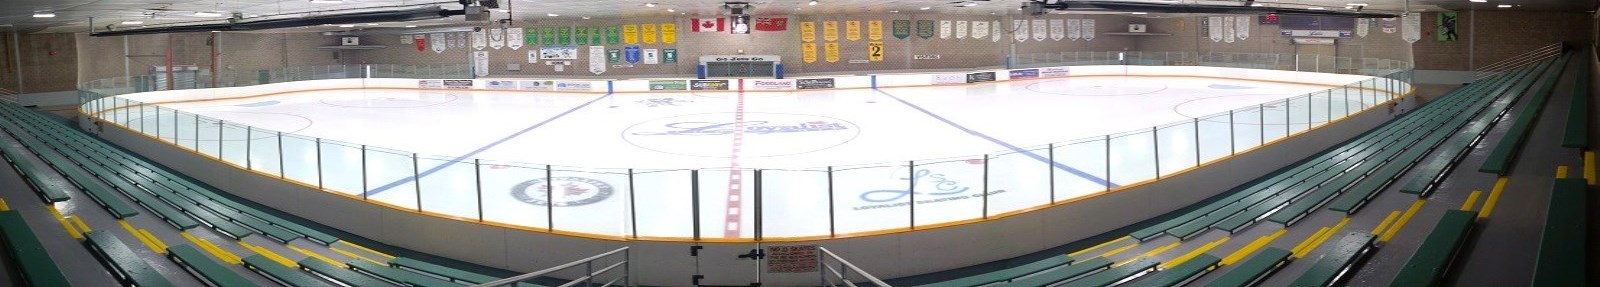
<point x="772" y="24"/>
<point x="421" y="41"/>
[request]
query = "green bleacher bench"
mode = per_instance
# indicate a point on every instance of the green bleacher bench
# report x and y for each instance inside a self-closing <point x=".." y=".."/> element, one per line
<point x="1254" y="269"/>
<point x="979" y="279"/>
<point x="1563" y="244"/>
<point x="1505" y="151"/>
<point x="207" y="269"/>
<point x="446" y="273"/>
<point x="222" y="225"/>
<point x="1063" y="273"/>
<point x="124" y="264"/>
<point x="37" y="267"/>
<point x="161" y="208"/>
<point x="1576" y="134"/>
<point x="1180" y="275"/>
<point x="1432" y="259"/>
<point x="340" y="275"/>
<point x="1116" y="274"/>
<point x="32" y="173"/>
<point x="1330" y="266"/>
<point x="1357" y="196"/>
<point x="398" y="276"/>
<point x="271" y="231"/>
<point x="283" y="275"/>
<point x="101" y="195"/>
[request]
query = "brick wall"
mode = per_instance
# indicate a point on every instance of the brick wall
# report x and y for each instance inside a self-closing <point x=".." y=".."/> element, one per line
<point x="1498" y="35"/>
<point x="1265" y="38"/>
<point x="48" y="62"/>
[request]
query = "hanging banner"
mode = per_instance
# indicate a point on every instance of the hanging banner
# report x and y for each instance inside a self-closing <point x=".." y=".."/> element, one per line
<point x="944" y="29"/>
<point x="652" y="57"/>
<point x="669" y="56"/>
<point x="875" y="30"/>
<point x="439" y="42"/>
<point x="852" y="30"/>
<point x="1361" y="26"/>
<point x="1227" y="30"/>
<point x="631" y="54"/>
<point x="994" y="30"/>
<point x="1074" y="29"/>
<point x="421" y="42"/>
<point x="530" y="37"/>
<point x="647" y="33"/>
<point x="406" y="39"/>
<point x="478" y="41"/>
<point x="1214" y="28"/>
<point x="1411" y="27"/>
<point x="581" y="36"/>
<point x="1241" y="27"/>
<point x="514" y="38"/>
<point x="669" y="33"/>
<point x="1040" y="30"/>
<point x="558" y="53"/>
<point x="613" y="35"/>
<point x="875" y="51"/>
<point x="1019" y="30"/>
<point x="480" y="63"/>
<point x="925" y="29"/>
<point x="533" y="55"/>
<point x="497" y="38"/>
<point x="808" y="32"/>
<point x="808" y="52"/>
<point x="1388" y="25"/>
<point x="597" y="35"/>
<point x="597" y="59"/>
<point x="900" y="28"/>
<point x="830" y="31"/>
<point x="614" y="56"/>
<point x="1088" y="29"/>
<point x="548" y="34"/>
<point x="630" y="34"/>
<point x="458" y="40"/>
<point x="564" y="35"/>
<point x="1058" y="29"/>
<point x="980" y="29"/>
<point x="961" y="29"/>
<point x="1447" y="27"/>
<point x="830" y="52"/>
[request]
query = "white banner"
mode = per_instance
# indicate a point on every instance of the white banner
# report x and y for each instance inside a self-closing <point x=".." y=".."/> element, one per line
<point x="1241" y="27"/>
<point x="1040" y="32"/>
<point x="980" y="29"/>
<point x="1227" y="30"/>
<point x="1088" y="29"/>
<point x="1019" y="30"/>
<point x="1214" y="25"/>
<point x="478" y="41"/>
<point x="1074" y="29"/>
<point x="514" y="38"/>
<point x="994" y="30"/>
<point x="497" y="38"/>
<point x="533" y="55"/>
<point x="458" y="40"/>
<point x="406" y="39"/>
<point x="944" y="29"/>
<point x="961" y="29"/>
<point x="437" y="40"/>
<point x="480" y="63"/>
<point x="597" y="59"/>
<point x="1058" y="29"/>
<point x="1362" y="24"/>
<point x="652" y="56"/>
<point x="1387" y="25"/>
<point x="1411" y="27"/>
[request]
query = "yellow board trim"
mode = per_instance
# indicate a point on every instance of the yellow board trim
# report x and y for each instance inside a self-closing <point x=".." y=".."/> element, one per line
<point x="1251" y="248"/>
<point x="1561" y="172"/>
<point x="1118" y="250"/>
<point x="1192" y="254"/>
<point x="270" y="255"/>
<point x="369" y="250"/>
<point x="317" y="256"/>
<point x="224" y="255"/>
<point x="1471" y="200"/>
<point x="1152" y="252"/>
<point x="1386" y="221"/>
<point x="1387" y="234"/>
<point x="1092" y="248"/>
<point x="357" y="256"/>
<point x="1494" y="197"/>
<point x="146" y="241"/>
<point x="1588" y="167"/>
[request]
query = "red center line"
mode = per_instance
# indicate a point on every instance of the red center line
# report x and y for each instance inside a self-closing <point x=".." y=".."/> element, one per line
<point x="735" y="188"/>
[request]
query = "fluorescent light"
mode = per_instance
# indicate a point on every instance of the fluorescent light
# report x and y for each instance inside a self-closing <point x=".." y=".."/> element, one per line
<point x="502" y="10"/>
<point x="1479" y="1"/>
<point x="551" y="14"/>
<point x="1504" y="6"/>
<point x="649" y="4"/>
<point x="207" y="14"/>
<point x="1316" y="8"/>
<point x="924" y="8"/>
<point x="132" y="22"/>
<point x="372" y="24"/>
<point x="411" y="26"/>
<point x="1257" y="5"/>
<point x="586" y="17"/>
<point x="347" y="26"/>
<point x="969" y="4"/>
<point x="894" y="11"/>
<point x="1138" y="13"/>
<point x="327" y="1"/>
<point x="1356" y="4"/>
<point x="46" y="14"/>
<point x="812" y="3"/>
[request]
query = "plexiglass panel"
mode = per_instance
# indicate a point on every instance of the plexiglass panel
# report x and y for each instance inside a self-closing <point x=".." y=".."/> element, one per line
<point x="1175" y="147"/>
<point x="593" y="201"/>
<point x="449" y="186"/>
<point x="236" y="144"/>
<point x="509" y="193"/>
<point x="1216" y="140"/>
<point x="1299" y="113"/>
<point x="669" y="212"/>
<point x="790" y="201"/>
<point x="1133" y="157"/>
<point x="1275" y="117"/>
<point x="341" y="167"/>
<point x="300" y="159"/>
<point x="1019" y="180"/>
<point x="265" y="152"/>
<point x="872" y="198"/>
<point x="208" y="136"/>
<point x="1247" y="128"/>
<point x="948" y="190"/>
<point x="390" y="177"/>
<point x="726" y="205"/>
<point x="1083" y="169"/>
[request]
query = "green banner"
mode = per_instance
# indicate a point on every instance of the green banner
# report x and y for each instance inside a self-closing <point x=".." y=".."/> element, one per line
<point x="582" y="35"/>
<point x="549" y="36"/>
<point x="613" y="35"/>
<point x="597" y="35"/>
<point x="564" y="35"/>
<point x="530" y="36"/>
<point x="902" y="29"/>
<point x="669" y="56"/>
<point x="613" y="56"/>
<point x="925" y="28"/>
<point x="1447" y="26"/>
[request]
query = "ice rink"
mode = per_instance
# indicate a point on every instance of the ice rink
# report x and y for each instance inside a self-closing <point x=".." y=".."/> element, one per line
<point x="487" y="151"/>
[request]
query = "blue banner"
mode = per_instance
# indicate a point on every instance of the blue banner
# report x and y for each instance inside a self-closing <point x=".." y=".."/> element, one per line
<point x="631" y="54"/>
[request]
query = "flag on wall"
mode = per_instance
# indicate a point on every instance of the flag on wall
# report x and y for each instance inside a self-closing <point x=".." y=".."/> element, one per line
<point x="1088" y="29"/>
<point x="530" y="37"/>
<point x="406" y="39"/>
<point x="808" y="52"/>
<point x="830" y="52"/>
<point x="1058" y="29"/>
<point x="1447" y="27"/>
<point x="581" y="36"/>
<point x="707" y="25"/>
<point x="1362" y="25"/>
<point x="421" y="41"/>
<point x="772" y="24"/>
<point x="514" y="38"/>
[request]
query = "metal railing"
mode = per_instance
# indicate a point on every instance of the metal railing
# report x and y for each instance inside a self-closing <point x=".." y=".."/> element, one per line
<point x="843" y="277"/>
<point x="589" y="273"/>
<point x="1517" y="61"/>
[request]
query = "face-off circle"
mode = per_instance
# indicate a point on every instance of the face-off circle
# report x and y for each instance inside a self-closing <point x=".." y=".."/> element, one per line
<point x="764" y="134"/>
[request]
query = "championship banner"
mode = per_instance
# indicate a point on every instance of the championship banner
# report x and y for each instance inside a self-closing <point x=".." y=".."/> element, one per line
<point x="549" y="35"/>
<point x="530" y="37"/>
<point x="458" y="40"/>
<point x="925" y="29"/>
<point x="533" y="55"/>
<point x="1074" y="29"/>
<point x="1040" y="32"/>
<point x="630" y="34"/>
<point x="564" y="35"/>
<point x="632" y="54"/>
<point x="1058" y="29"/>
<point x="994" y="29"/>
<point x="808" y="52"/>
<point x="669" y="56"/>
<point x="1447" y="26"/>
<point x="1214" y="27"/>
<point x="669" y="33"/>
<point x="514" y="38"/>
<point x="1387" y="24"/>
<point x="406" y="39"/>
<point x="478" y="40"/>
<point x="1088" y="29"/>
<point x="875" y="30"/>
<point x="613" y="35"/>
<point x="830" y="31"/>
<point x="1227" y="30"/>
<point x="597" y="59"/>
<point x="961" y="29"/>
<point x="944" y="29"/>
<point x="808" y="32"/>
<point x="900" y="28"/>
<point x="875" y="51"/>
<point x="852" y="30"/>
<point x="1019" y="30"/>
<point x="1241" y="27"/>
<point x="580" y="35"/>
<point x="421" y="41"/>
<point x="648" y="33"/>
<point x="480" y="63"/>
<point x="830" y="51"/>
<point x="652" y="56"/>
<point x="1411" y="27"/>
<point x="980" y="29"/>
<point x="497" y="38"/>
<point x="438" y="41"/>
<point x="597" y="35"/>
<point x="1362" y="26"/>
<point x="614" y="56"/>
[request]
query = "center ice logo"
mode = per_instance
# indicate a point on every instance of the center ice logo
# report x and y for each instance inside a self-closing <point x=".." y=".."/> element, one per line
<point x="762" y="134"/>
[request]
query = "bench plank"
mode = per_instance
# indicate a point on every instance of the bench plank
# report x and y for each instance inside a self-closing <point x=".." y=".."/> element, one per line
<point x="281" y="274"/>
<point x="1328" y="268"/>
<point x="1181" y="274"/>
<point x="205" y="268"/>
<point x="1062" y="273"/>
<point x="1252" y="270"/>
<point x="122" y="261"/>
<point x="1432" y="259"/>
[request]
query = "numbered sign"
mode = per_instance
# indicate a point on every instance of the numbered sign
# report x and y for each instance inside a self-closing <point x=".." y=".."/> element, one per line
<point x="875" y="51"/>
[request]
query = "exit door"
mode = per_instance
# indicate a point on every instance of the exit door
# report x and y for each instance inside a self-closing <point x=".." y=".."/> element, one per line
<point x="733" y="264"/>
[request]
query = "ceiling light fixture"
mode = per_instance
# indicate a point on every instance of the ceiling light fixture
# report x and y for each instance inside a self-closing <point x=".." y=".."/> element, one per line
<point x="586" y="17"/>
<point x="45" y="14"/>
<point x="924" y="8"/>
<point x="1504" y="6"/>
<point x="132" y="22"/>
<point x="1316" y="8"/>
<point x="1479" y="1"/>
<point x="969" y="4"/>
<point x="1356" y="4"/>
<point x="372" y="24"/>
<point x="1257" y="5"/>
<point x="649" y="4"/>
<point x="670" y="10"/>
<point x="207" y="14"/>
<point x="327" y="1"/>
<point x="411" y="26"/>
<point x="812" y="3"/>
<point x="894" y="11"/>
<point x="347" y="26"/>
<point x="1138" y="13"/>
<point x="552" y="14"/>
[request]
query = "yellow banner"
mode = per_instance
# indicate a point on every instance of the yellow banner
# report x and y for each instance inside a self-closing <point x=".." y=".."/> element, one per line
<point x="852" y="30"/>
<point x="808" y="52"/>
<point x="808" y="32"/>
<point x="875" y="30"/>
<point x="649" y="31"/>
<point x="830" y="31"/>
<point x="830" y="51"/>
<point x="669" y="33"/>
<point x="630" y="34"/>
<point x="875" y="51"/>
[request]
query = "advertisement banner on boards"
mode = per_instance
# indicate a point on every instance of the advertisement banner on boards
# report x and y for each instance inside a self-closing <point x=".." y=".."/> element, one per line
<point x="1053" y="72"/>
<point x="574" y="86"/>
<point x="771" y="85"/>
<point x="458" y="84"/>
<point x="708" y="85"/>
<point x="980" y="77"/>
<point x="947" y="79"/>
<point x="1024" y="74"/>
<point x="536" y="85"/>
<point x="500" y="85"/>
<point x="430" y="84"/>
<point x="811" y="84"/>
<point x="668" y="85"/>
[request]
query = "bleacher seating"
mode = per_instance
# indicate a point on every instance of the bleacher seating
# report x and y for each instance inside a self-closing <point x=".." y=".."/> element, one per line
<point x="38" y="269"/>
<point x="205" y="268"/>
<point x="124" y="264"/>
<point x="1432" y="259"/>
<point x="283" y="275"/>
<point x="1181" y="274"/>
<point x="1064" y="273"/>
<point x="1254" y="269"/>
<point x="1002" y="275"/>
<point x="1576" y="134"/>
<point x="1346" y="255"/>
<point x="1563" y="244"/>
<point x="1505" y="152"/>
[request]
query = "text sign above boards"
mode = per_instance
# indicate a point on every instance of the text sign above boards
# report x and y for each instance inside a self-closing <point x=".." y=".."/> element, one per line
<point x="739" y="58"/>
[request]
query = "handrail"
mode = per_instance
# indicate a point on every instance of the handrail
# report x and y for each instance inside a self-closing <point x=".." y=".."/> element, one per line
<point x="823" y="262"/>
<point x="1537" y="54"/>
<point x="588" y="264"/>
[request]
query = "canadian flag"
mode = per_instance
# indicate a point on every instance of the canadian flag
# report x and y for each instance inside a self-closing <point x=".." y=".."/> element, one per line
<point x="708" y="25"/>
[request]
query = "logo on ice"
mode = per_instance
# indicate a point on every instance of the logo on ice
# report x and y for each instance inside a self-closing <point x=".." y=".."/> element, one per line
<point x="751" y="127"/>
<point x="761" y="134"/>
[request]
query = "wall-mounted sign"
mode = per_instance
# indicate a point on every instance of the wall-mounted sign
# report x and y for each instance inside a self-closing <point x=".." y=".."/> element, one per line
<point x="738" y="58"/>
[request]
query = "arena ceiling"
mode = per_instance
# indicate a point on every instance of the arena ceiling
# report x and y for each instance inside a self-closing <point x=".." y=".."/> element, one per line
<point x="74" y="15"/>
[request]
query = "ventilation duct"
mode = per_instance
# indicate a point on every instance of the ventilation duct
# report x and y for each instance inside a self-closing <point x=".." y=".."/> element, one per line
<point x="336" y="19"/>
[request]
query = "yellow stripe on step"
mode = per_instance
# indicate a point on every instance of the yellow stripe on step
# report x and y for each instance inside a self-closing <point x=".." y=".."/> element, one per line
<point x="221" y="254"/>
<point x="153" y="239"/>
<point x="1403" y="219"/>
<point x="354" y="255"/>
<point x="1494" y="197"/>
<point x="1192" y="254"/>
<point x="1251" y="248"/>
<point x="64" y="223"/>
<point x="1308" y="240"/>
<point x="1092" y="248"/>
<point x="364" y="248"/>
<point x="1323" y="238"/>
<point x="317" y="256"/>
<point x="135" y="231"/>
<point x="4" y="206"/>
<point x="1588" y="166"/>
<point x="1471" y="200"/>
<point x="270" y="255"/>
<point x="1152" y="252"/>
<point x="1386" y="221"/>
<point x="1561" y="172"/>
<point x="1118" y="250"/>
<point x="78" y="221"/>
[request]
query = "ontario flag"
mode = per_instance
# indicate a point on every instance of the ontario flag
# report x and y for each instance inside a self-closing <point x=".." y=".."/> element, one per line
<point x="772" y="24"/>
<point x="708" y="25"/>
